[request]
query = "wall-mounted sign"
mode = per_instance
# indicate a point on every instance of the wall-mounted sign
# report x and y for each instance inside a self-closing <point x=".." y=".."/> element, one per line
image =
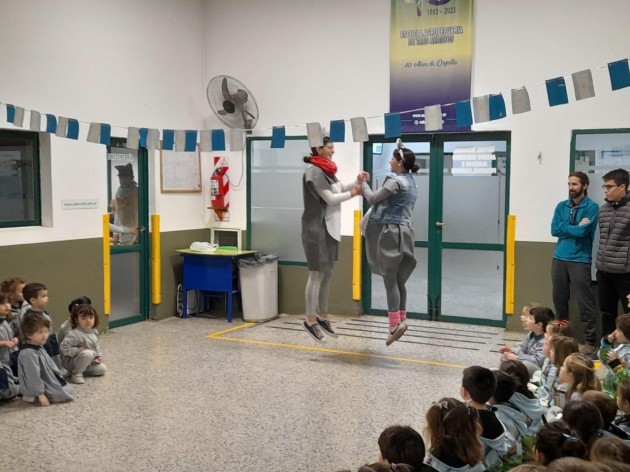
<point x="82" y="204"/>
<point x="112" y="156"/>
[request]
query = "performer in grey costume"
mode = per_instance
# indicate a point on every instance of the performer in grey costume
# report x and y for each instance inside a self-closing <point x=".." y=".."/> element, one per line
<point x="389" y="236"/>
<point x="39" y="377"/>
<point x="321" y="232"/>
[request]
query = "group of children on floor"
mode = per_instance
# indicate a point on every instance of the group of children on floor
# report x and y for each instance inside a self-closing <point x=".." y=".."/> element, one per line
<point x="543" y="409"/>
<point x="35" y="362"/>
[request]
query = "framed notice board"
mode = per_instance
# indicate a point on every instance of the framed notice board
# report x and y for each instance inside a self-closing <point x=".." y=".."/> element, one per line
<point x="180" y="172"/>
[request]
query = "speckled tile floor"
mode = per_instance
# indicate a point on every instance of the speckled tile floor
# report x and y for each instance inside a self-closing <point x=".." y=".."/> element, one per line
<point x="265" y="397"/>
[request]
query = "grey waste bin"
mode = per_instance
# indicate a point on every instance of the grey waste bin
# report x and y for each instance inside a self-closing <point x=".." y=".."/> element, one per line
<point x="258" y="275"/>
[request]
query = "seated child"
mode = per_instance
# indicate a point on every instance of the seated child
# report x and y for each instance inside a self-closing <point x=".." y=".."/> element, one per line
<point x="544" y="379"/>
<point x="610" y="448"/>
<point x="478" y="384"/>
<point x="514" y="421"/>
<point x="623" y="403"/>
<point x="403" y="444"/>
<point x="8" y="344"/>
<point x="40" y="379"/>
<point x="13" y="288"/>
<point x="607" y="408"/>
<point x="530" y="351"/>
<point x="616" y="359"/>
<point x="36" y="295"/>
<point x="82" y="354"/>
<point x="560" y="347"/>
<point x="556" y="440"/>
<point x="523" y="399"/>
<point x="578" y="372"/>
<point x="585" y="419"/>
<point x="453" y="428"/>
<point x="67" y="325"/>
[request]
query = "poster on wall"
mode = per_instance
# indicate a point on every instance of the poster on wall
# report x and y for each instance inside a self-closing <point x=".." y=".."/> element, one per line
<point x="430" y="59"/>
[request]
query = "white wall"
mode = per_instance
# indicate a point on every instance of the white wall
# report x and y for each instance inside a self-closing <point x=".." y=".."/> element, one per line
<point x="146" y="63"/>
<point x="316" y="61"/>
<point x="125" y="63"/>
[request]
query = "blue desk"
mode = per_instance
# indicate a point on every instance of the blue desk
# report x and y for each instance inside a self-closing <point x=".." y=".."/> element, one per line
<point x="212" y="271"/>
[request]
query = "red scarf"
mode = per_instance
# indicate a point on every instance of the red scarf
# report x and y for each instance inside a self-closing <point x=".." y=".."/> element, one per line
<point x="328" y="166"/>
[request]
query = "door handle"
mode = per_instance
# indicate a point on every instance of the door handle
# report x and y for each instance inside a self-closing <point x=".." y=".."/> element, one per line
<point x="439" y="224"/>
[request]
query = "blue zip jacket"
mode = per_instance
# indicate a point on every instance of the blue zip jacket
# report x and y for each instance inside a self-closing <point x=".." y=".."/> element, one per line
<point x="575" y="243"/>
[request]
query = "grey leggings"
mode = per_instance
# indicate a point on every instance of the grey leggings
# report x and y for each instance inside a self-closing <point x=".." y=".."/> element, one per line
<point x="396" y="291"/>
<point x="316" y="292"/>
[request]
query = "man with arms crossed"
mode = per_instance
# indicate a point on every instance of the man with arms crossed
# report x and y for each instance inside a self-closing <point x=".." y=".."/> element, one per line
<point x="574" y="224"/>
<point x="613" y="261"/>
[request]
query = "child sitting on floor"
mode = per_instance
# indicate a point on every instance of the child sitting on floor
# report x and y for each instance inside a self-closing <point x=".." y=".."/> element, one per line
<point x="616" y="359"/>
<point x="453" y="430"/>
<point x="403" y="444"/>
<point x="82" y="354"/>
<point x="478" y="385"/>
<point x="40" y="379"/>
<point x="534" y="320"/>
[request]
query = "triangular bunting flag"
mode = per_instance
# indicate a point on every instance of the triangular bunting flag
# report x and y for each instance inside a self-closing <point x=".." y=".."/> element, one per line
<point x="153" y="139"/>
<point x="338" y="131"/>
<point x="463" y="115"/>
<point x="204" y="141"/>
<point x="94" y="133"/>
<point x="62" y="127"/>
<point x="433" y="118"/>
<point x="73" y="129"/>
<point x="133" y="138"/>
<point x="359" y="130"/>
<point x="497" y="107"/>
<point x="520" y="101"/>
<point x="51" y="123"/>
<point x="619" y="74"/>
<point x="583" y="84"/>
<point x="481" y="109"/>
<point x="556" y="91"/>
<point x="392" y="125"/>
<point x="191" y="141"/>
<point x="218" y="140"/>
<point x="168" y="139"/>
<point x="10" y="113"/>
<point x="36" y="121"/>
<point x="180" y="140"/>
<point x="314" y="134"/>
<point x="18" y="118"/>
<point x="278" y="137"/>
<point x="236" y="140"/>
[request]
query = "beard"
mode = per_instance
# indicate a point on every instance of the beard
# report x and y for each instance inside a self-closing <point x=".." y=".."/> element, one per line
<point x="575" y="194"/>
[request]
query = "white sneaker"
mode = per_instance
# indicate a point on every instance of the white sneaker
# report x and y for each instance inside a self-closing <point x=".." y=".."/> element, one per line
<point x="28" y="399"/>
<point x="77" y="379"/>
<point x="396" y="334"/>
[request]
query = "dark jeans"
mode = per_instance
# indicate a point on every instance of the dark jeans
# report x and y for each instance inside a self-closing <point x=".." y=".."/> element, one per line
<point x="575" y="278"/>
<point x="612" y="288"/>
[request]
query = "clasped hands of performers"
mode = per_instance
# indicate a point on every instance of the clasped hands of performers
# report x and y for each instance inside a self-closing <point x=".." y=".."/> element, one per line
<point x="361" y="177"/>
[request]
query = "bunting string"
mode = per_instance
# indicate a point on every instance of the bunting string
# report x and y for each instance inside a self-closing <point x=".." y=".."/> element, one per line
<point x="478" y="110"/>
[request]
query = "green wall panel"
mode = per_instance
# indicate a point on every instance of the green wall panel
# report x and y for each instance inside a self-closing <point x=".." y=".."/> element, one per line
<point x="68" y="268"/>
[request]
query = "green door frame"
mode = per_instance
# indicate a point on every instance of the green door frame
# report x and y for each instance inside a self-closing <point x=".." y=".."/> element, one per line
<point x="435" y="243"/>
<point x="143" y="219"/>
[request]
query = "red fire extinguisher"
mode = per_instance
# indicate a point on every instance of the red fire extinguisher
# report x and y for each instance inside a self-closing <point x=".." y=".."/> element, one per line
<point x="219" y="187"/>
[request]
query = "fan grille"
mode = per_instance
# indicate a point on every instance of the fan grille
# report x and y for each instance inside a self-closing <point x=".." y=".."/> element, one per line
<point x="232" y="102"/>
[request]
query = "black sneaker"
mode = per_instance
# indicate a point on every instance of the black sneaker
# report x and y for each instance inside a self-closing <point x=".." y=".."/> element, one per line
<point x="396" y="334"/>
<point x="314" y="331"/>
<point x="326" y="327"/>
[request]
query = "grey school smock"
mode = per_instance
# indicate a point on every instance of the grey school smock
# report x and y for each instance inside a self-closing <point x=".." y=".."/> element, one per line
<point x="389" y="235"/>
<point x="38" y="375"/>
<point x="321" y="222"/>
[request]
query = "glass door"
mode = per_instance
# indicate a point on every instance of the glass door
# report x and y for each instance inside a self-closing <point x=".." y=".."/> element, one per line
<point x="128" y="209"/>
<point x="459" y="223"/>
